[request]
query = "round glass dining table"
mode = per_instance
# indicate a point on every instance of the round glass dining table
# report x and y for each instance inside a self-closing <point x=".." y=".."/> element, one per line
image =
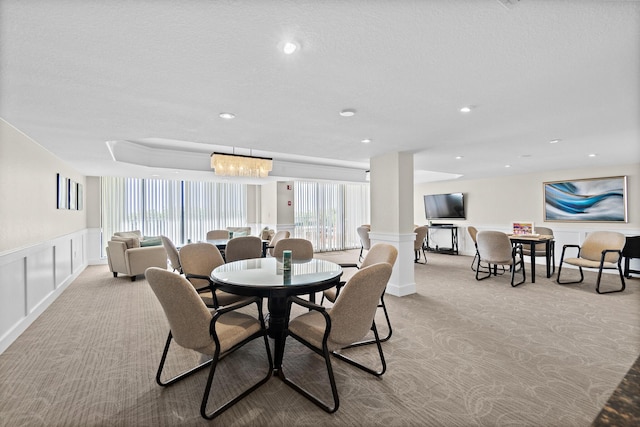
<point x="265" y="277"/>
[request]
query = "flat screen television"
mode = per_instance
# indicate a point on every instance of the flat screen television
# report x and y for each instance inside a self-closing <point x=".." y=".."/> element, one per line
<point x="444" y="206"/>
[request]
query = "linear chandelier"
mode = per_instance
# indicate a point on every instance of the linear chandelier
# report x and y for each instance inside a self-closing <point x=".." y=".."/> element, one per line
<point x="238" y="165"/>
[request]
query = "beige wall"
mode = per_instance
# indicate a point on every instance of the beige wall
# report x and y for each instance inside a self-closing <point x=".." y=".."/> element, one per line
<point x="500" y="201"/>
<point x="28" y="213"/>
<point x="269" y="205"/>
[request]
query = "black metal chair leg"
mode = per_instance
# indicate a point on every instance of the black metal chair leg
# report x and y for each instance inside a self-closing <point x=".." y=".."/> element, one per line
<point x="621" y="280"/>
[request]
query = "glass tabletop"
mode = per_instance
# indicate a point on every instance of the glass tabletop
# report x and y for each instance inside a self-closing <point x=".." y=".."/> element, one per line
<point x="268" y="272"/>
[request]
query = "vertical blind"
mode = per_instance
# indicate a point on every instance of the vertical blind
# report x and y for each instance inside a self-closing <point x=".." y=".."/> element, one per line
<point x="180" y="210"/>
<point x="329" y="214"/>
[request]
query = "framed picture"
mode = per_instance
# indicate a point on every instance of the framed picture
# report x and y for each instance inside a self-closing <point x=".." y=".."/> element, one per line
<point x="80" y="197"/>
<point x="73" y="195"/>
<point x="523" y="227"/>
<point x="591" y="199"/>
<point x="63" y="194"/>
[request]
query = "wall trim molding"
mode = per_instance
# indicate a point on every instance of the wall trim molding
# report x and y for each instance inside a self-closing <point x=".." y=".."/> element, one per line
<point x="33" y="277"/>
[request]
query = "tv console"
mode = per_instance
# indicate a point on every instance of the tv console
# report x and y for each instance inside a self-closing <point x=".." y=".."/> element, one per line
<point x="453" y="250"/>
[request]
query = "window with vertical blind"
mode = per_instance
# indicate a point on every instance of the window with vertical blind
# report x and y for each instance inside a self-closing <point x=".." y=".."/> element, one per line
<point x="180" y="210"/>
<point x="328" y="214"/>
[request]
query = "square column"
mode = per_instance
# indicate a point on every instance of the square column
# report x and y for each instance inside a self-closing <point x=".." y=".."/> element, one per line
<point x="391" y="184"/>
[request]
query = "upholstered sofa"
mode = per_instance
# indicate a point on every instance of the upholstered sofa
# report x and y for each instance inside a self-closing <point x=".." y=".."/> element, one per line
<point x="130" y="254"/>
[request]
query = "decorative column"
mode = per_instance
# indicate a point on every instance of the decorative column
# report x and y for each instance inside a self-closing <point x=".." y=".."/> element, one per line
<point x="391" y="184"/>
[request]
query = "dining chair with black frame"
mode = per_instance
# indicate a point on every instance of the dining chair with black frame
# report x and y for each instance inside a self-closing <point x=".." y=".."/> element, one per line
<point x="282" y="234"/>
<point x="301" y="249"/>
<point x="172" y="253"/>
<point x="365" y="241"/>
<point x="244" y="247"/>
<point x="418" y="244"/>
<point x="495" y="248"/>
<point x="327" y="331"/>
<point x="216" y="334"/>
<point x="198" y="261"/>
<point x="379" y="252"/>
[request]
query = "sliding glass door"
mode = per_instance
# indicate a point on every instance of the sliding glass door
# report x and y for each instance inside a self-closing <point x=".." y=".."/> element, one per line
<point x="329" y="214"/>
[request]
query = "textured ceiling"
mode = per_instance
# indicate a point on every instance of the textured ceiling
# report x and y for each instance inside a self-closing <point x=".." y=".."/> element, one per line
<point x="151" y="77"/>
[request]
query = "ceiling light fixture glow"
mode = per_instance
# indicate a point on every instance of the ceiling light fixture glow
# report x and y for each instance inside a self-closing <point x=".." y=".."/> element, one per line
<point x="227" y="116"/>
<point x="465" y="110"/>
<point x="348" y="112"/>
<point x="237" y="165"/>
<point x="366" y="141"/>
<point x="593" y="155"/>
<point x="459" y="157"/>
<point x="289" y="47"/>
<point x="554" y="141"/>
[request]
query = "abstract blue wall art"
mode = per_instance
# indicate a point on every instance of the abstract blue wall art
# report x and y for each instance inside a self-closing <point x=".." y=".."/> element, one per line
<point x="593" y="199"/>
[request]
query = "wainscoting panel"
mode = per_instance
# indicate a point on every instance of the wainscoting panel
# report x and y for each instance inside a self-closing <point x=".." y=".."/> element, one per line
<point x="13" y="290"/>
<point x="62" y="250"/>
<point x="32" y="278"/>
<point x="40" y="277"/>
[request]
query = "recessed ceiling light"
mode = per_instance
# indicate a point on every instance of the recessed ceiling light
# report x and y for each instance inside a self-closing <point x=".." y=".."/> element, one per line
<point x="349" y="112"/>
<point x="459" y="157"/>
<point x="465" y="109"/>
<point x="507" y="166"/>
<point x="554" y="141"/>
<point x="289" y="47"/>
<point x="366" y="141"/>
<point x="227" y="116"/>
<point x="593" y="155"/>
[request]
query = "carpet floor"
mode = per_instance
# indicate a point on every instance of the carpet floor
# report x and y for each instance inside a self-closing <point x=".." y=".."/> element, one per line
<point x="462" y="353"/>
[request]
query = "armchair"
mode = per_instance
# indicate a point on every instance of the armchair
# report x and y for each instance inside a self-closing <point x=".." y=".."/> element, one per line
<point x="601" y="250"/>
<point x="126" y="256"/>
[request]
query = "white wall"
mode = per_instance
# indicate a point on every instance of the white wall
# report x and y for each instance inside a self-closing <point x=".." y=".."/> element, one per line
<point x="42" y="248"/>
<point x="269" y="205"/>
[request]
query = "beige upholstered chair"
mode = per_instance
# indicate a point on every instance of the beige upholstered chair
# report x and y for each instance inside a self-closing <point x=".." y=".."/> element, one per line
<point x="326" y="331"/>
<point x="172" y="253"/>
<point x="418" y="243"/>
<point x="300" y="248"/>
<point x="217" y="234"/>
<point x="214" y="334"/>
<point x="245" y="247"/>
<point x="276" y="238"/>
<point x="126" y="256"/>
<point x="198" y="261"/>
<point x="495" y="248"/>
<point x="601" y="250"/>
<point x="267" y="234"/>
<point x="380" y="252"/>
<point x="365" y="240"/>
<point x="540" y="248"/>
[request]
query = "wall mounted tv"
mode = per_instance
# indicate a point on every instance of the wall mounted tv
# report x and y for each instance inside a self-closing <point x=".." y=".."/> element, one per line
<point x="444" y="206"/>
